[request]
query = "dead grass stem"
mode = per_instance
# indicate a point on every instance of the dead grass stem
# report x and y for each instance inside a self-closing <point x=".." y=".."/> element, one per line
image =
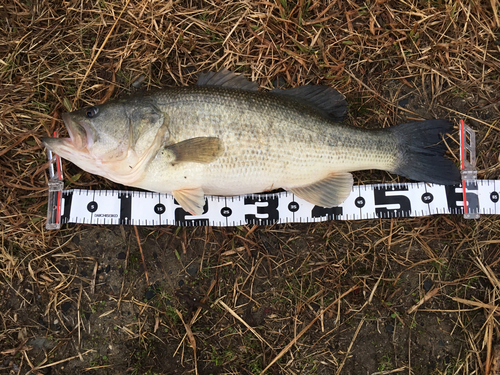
<point x="395" y="61"/>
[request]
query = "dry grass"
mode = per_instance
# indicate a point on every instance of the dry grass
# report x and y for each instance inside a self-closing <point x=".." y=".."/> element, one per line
<point x="345" y="298"/>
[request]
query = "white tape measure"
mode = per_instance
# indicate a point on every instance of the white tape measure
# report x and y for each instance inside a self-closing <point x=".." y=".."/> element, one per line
<point x="471" y="198"/>
<point x="365" y="202"/>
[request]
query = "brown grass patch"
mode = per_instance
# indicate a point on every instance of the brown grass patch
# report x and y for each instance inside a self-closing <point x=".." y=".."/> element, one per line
<point x="425" y="292"/>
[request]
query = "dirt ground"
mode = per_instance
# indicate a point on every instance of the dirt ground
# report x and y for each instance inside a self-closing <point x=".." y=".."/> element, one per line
<point x="385" y="296"/>
<point x="277" y="280"/>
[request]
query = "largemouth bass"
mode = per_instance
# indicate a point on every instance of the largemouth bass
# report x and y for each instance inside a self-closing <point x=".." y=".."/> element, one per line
<point x="224" y="137"/>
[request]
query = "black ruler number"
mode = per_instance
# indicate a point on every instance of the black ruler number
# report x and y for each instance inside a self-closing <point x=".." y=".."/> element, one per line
<point x="271" y="210"/>
<point x="454" y="194"/>
<point x="185" y="219"/>
<point x="382" y="199"/>
<point x="125" y="208"/>
<point x="333" y="213"/>
<point x="67" y="196"/>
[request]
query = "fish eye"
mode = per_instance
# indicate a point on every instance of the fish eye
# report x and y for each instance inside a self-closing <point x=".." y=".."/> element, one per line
<point x="92" y="112"/>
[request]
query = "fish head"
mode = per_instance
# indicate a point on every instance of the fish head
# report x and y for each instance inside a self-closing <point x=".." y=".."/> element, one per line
<point x="112" y="140"/>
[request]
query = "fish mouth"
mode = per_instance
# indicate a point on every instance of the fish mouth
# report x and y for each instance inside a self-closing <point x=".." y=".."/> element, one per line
<point x="79" y="141"/>
<point x="80" y="133"/>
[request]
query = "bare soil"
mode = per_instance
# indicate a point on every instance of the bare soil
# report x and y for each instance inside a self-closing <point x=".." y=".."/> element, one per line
<point x="276" y="279"/>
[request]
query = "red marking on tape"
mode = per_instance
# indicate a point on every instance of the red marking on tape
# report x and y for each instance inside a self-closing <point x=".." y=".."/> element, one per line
<point x="462" y="156"/>
<point x="58" y="207"/>
<point x="58" y="162"/>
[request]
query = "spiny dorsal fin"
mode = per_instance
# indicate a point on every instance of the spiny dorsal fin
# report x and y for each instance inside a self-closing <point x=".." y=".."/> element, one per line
<point x="325" y="99"/>
<point x="196" y="150"/>
<point x="328" y="192"/>
<point x="226" y="78"/>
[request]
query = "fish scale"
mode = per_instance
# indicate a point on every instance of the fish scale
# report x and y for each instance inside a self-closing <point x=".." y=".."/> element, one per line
<point x="268" y="143"/>
<point x="224" y="137"/>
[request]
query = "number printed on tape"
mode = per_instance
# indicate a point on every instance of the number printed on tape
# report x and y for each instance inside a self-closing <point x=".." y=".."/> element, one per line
<point x="365" y="202"/>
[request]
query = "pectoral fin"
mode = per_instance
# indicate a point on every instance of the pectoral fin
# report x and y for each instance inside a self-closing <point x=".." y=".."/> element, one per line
<point x="191" y="200"/>
<point x="196" y="150"/>
<point x="328" y="192"/>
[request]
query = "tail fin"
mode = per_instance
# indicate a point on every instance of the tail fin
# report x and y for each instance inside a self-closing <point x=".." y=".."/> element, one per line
<point x="422" y="152"/>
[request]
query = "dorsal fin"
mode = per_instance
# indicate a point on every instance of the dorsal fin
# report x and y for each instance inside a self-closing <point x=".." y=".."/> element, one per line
<point x="325" y="99"/>
<point x="226" y="78"/>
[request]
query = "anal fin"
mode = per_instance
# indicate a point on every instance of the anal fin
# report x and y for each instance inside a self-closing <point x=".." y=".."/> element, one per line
<point x="328" y="192"/>
<point x="191" y="200"/>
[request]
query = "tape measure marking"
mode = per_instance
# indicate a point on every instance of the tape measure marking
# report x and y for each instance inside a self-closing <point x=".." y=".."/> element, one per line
<point x="112" y="207"/>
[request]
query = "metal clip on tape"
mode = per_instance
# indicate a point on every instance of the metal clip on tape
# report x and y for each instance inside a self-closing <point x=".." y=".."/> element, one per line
<point x="468" y="169"/>
<point x="56" y="186"/>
